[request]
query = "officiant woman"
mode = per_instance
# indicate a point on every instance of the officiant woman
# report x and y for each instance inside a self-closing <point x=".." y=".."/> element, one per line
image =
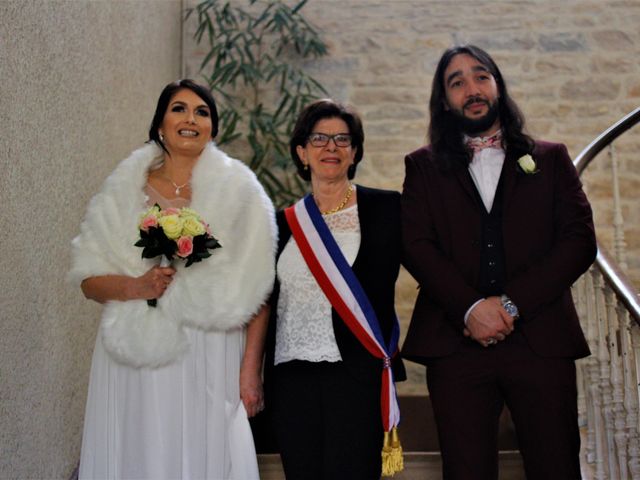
<point x="325" y="380"/>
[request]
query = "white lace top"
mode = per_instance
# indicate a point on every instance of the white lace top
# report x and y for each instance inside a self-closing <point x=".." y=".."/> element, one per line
<point x="304" y="330"/>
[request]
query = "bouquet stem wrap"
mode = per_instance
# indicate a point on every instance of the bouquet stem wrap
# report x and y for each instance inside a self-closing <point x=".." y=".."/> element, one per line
<point x="164" y="262"/>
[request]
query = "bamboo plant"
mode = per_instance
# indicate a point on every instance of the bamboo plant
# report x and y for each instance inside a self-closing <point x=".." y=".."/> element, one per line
<point x="254" y="67"/>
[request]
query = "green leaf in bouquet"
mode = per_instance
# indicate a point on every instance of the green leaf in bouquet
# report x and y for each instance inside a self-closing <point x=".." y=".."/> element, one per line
<point x="212" y="243"/>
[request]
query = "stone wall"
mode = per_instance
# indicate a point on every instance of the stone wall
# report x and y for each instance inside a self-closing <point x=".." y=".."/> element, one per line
<point x="572" y="66"/>
<point x="78" y="86"/>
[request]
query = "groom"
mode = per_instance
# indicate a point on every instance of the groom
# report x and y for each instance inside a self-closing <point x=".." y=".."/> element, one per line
<point x="496" y="228"/>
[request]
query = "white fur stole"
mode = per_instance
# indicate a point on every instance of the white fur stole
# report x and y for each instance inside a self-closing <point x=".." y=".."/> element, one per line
<point x="221" y="292"/>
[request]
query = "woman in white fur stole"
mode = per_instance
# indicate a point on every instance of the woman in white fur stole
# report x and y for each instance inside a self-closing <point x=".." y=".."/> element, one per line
<point x="172" y="387"/>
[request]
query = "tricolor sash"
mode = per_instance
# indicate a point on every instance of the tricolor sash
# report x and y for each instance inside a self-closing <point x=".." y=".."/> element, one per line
<point x="343" y="290"/>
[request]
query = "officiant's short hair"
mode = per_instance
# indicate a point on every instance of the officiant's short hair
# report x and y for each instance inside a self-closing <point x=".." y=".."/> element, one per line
<point x="320" y="110"/>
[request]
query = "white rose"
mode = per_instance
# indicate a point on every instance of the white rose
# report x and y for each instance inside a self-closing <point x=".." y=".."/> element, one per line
<point x="193" y="226"/>
<point x="172" y="226"/>
<point x="527" y="164"/>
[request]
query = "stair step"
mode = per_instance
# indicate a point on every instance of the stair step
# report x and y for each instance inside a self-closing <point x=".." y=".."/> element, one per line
<point x="418" y="427"/>
<point x="417" y="466"/>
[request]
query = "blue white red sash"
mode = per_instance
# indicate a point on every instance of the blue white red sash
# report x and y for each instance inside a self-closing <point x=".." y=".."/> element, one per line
<point x="343" y="290"/>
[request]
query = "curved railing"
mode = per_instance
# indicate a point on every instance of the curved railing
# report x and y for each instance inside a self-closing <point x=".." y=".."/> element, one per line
<point x="608" y="380"/>
<point x="613" y="275"/>
<point x="605" y="139"/>
<point x="619" y="282"/>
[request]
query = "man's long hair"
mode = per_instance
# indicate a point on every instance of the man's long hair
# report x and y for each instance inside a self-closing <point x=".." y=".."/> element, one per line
<point x="445" y="135"/>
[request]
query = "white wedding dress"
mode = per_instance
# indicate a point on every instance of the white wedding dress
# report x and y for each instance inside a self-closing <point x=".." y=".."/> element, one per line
<point x="181" y="421"/>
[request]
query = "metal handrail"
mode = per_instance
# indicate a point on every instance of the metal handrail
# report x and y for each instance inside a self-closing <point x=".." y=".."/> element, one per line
<point x="619" y="282"/>
<point x="612" y="274"/>
<point x="605" y="138"/>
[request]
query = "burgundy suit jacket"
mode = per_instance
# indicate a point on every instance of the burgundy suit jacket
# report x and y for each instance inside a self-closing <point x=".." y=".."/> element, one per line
<point x="549" y="241"/>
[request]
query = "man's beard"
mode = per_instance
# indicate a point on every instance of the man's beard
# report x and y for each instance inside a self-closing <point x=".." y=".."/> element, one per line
<point x="473" y="126"/>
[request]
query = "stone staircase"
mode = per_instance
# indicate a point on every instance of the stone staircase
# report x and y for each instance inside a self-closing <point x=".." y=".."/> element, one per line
<point x="417" y="466"/>
<point x="420" y="443"/>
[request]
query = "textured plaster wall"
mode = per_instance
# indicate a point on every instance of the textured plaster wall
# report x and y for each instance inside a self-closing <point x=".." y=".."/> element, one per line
<point x="572" y="66"/>
<point x="78" y="84"/>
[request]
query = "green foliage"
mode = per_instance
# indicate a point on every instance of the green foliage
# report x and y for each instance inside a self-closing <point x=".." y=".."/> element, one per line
<point x="252" y="69"/>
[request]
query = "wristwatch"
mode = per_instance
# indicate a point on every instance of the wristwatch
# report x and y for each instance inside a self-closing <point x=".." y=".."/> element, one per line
<point x="509" y="306"/>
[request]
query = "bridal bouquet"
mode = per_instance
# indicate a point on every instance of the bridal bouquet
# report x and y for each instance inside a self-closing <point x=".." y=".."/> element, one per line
<point x="175" y="232"/>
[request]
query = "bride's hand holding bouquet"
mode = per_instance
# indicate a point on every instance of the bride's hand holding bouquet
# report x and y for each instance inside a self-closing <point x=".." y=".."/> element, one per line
<point x="171" y="233"/>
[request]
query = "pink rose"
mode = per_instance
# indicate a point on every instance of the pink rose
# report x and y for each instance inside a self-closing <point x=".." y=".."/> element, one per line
<point x="171" y="211"/>
<point x="148" y="222"/>
<point x="185" y="246"/>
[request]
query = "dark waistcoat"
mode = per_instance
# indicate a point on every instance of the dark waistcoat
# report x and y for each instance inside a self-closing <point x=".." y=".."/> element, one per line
<point x="492" y="260"/>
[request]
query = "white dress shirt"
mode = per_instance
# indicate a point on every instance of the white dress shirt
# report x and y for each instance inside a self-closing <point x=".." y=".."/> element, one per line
<point x="485" y="169"/>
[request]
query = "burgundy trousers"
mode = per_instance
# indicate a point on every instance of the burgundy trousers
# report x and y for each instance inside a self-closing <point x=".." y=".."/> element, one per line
<point x="468" y="390"/>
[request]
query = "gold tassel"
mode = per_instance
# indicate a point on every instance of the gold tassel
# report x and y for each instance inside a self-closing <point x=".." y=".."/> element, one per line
<point x="392" y="461"/>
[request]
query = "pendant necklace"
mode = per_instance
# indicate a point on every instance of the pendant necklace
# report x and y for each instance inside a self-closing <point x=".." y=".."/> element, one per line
<point x="175" y="185"/>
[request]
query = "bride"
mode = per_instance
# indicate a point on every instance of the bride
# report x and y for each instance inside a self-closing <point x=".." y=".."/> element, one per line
<point x="172" y="387"/>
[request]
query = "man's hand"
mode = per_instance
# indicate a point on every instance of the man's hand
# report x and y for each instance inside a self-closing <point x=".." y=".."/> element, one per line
<point x="488" y="322"/>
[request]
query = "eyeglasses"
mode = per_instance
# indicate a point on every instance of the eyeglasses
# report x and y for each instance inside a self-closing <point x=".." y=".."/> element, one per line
<point x="322" y="139"/>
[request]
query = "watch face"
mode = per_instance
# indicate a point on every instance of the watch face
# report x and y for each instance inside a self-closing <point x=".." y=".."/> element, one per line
<point x="511" y="309"/>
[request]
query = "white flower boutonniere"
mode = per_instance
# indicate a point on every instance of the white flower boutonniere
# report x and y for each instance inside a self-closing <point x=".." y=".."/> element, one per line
<point x="528" y="165"/>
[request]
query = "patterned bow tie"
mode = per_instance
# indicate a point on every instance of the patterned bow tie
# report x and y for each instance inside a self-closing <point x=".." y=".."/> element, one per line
<point x="480" y="143"/>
